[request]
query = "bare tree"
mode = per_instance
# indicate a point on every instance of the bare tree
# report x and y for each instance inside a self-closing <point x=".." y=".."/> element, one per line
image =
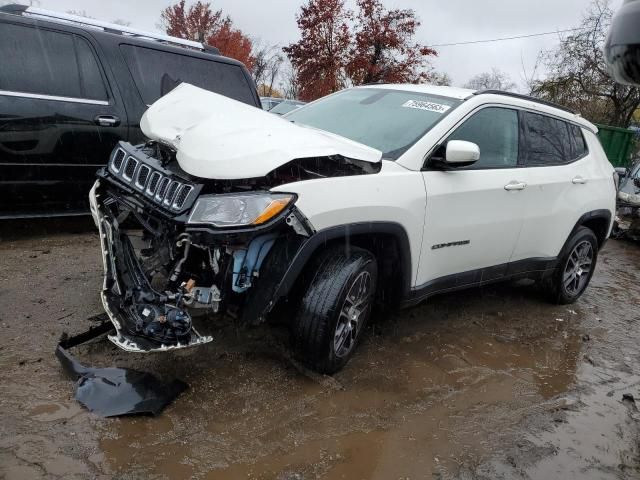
<point x="577" y="74"/>
<point x="440" y="78"/>
<point x="266" y="67"/>
<point x="530" y="78"/>
<point x="289" y="85"/>
<point x="493" y="80"/>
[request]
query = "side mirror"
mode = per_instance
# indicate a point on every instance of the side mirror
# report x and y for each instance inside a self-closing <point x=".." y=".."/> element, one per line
<point x="622" y="48"/>
<point x="636" y="181"/>
<point x="460" y="153"/>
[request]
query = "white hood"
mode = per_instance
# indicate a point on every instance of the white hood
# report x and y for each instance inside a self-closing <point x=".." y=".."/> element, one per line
<point x="217" y="137"/>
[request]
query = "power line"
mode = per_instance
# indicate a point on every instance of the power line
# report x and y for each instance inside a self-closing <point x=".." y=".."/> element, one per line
<point x="504" y="38"/>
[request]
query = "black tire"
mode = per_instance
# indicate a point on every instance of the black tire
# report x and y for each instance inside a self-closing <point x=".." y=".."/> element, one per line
<point x="323" y="309"/>
<point x="575" y="267"/>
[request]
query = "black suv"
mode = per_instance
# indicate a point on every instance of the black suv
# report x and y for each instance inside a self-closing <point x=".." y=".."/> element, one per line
<point x="72" y="87"/>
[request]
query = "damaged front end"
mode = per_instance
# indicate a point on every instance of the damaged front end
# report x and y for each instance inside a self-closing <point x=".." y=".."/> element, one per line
<point x="174" y="245"/>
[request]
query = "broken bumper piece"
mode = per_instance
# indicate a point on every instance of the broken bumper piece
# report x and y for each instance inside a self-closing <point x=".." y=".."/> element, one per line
<point x="144" y="320"/>
<point x="111" y="392"/>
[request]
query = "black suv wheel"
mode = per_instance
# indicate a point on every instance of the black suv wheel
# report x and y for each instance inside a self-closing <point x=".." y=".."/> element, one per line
<point x="335" y="308"/>
<point x="576" y="266"/>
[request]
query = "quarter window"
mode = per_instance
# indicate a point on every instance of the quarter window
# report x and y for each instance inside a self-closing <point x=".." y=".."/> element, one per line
<point x="547" y="140"/>
<point x="45" y="62"/>
<point x="495" y="131"/>
<point x="578" y="144"/>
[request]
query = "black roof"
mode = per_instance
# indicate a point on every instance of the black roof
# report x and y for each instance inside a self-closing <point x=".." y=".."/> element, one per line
<point x="525" y="97"/>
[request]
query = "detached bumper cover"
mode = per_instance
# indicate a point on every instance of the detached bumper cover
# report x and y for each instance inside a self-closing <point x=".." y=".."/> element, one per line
<point x="111" y="392"/>
<point x="113" y="289"/>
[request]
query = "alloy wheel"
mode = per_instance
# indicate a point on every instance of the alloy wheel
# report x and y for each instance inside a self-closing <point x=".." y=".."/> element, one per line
<point x="578" y="268"/>
<point x="352" y="314"/>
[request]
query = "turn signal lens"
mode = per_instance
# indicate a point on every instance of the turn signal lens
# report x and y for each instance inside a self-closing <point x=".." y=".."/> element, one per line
<point x="273" y="209"/>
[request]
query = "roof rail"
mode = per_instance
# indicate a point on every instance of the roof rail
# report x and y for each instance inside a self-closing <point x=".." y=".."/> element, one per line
<point x="106" y="26"/>
<point x="525" y="97"/>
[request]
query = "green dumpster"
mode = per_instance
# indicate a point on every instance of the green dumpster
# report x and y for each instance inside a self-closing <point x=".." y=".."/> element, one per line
<point x="617" y="143"/>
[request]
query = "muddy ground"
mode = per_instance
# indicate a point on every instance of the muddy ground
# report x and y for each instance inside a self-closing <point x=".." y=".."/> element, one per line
<point x="484" y="384"/>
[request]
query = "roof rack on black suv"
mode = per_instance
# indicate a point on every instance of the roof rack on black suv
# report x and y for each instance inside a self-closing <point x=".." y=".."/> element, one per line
<point x="525" y="97"/>
<point x="52" y="16"/>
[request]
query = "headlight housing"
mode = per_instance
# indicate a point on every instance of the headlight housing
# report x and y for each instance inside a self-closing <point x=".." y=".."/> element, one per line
<point x="239" y="210"/>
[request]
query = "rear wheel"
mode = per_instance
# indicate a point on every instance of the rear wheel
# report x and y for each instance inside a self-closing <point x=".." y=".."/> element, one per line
<point x="576" y="267"/>
<point x="335" y="308"/>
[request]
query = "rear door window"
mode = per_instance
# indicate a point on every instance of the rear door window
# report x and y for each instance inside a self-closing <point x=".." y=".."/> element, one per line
<point x="45" y="62"/>
<point x="157" y="72"/>
<point x="546" y="140"/>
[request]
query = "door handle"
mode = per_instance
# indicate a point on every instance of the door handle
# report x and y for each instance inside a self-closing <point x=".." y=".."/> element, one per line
<point x="579" y="180"/>
<point x="513" y="185"/>
<point x="107" y="120"/>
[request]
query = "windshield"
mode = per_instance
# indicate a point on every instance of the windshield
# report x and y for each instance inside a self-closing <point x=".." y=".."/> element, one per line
<point x="388" y="120"/>
<point x="286" y="107"/>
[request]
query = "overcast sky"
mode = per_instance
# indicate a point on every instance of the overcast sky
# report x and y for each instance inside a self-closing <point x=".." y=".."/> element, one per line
<point x="273" y="22"/>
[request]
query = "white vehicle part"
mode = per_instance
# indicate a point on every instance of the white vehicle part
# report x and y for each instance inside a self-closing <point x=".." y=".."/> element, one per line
<point x="395" y="195"/>
<point x="460" y="151"/>
<point x="217" y="137"/>
<point x="472" y="220"/>
<point x="554" y="202"/>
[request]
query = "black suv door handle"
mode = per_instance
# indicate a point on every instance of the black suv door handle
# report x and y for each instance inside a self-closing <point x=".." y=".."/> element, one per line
<point x="107" y="120"/>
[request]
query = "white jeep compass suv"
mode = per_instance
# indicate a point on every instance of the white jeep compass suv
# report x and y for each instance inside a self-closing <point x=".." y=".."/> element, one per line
<point x="377" y="195"/>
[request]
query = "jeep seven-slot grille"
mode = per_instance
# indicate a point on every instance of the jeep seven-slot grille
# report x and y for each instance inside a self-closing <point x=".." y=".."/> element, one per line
<point x="153" y="183"/>
<point x="143" y="176"/>
<point x="164" y="190"/>
<point x="130" y="168"/>
<point x="183" y="193"/>
<point x="171" y="192"/>
<point x="117" y="160"/>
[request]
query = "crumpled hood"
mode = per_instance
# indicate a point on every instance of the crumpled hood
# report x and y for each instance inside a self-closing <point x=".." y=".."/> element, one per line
<point x="217" y="137"/>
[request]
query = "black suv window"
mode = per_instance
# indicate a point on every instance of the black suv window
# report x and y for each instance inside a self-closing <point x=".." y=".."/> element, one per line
<point x="156" y="72"/>
<point x="546" y="140"/>
<point x="45" y="62"/>
<point x="495" y="131"/>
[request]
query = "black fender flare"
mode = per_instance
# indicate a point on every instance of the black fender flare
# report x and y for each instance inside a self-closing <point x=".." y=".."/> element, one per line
<point x="320" y="239"/>
<point x="603" y="214"/>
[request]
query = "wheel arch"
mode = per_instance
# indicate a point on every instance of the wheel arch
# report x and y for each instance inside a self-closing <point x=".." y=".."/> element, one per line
<point x="382" y="238"/>
<point x="598" y="221"/>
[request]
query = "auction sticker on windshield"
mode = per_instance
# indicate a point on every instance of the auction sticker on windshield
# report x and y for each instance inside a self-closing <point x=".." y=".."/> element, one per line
<point x="429" y="106"/>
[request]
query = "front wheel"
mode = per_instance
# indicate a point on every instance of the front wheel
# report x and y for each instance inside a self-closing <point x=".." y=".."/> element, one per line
<point x="335" y="308"/>
<point x="576" y="267"/>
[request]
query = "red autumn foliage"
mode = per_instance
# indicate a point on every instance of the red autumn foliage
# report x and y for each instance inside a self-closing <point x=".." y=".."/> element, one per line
<point x="384" y="50"/>
<point x="200" y="23"/>
<point x="233" y="43"/>
<point x="320" y="56"/>
<point x="381" y="48"/>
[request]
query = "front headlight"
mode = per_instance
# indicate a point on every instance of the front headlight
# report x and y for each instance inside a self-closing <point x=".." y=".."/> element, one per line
<point x="239" y="210"/>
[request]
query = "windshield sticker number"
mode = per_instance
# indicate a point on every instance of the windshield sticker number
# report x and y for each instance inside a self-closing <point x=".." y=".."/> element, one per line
<point x="429" y="106"/>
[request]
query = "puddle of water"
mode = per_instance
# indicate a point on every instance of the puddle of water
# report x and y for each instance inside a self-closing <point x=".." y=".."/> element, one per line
<point x="417" y="399"/>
